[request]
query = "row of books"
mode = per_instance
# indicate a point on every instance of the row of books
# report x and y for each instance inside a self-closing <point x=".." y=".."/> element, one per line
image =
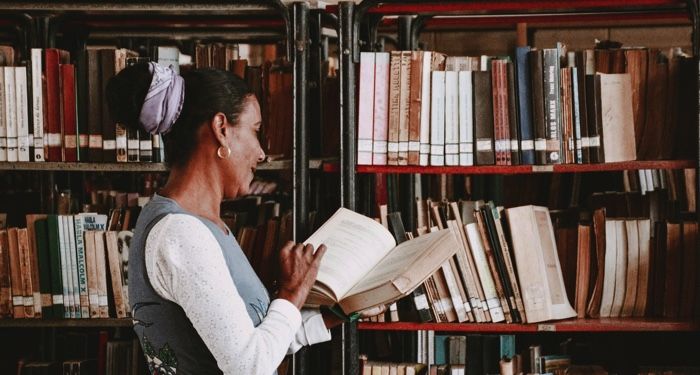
<point x="546" y="106"/>
<point x="64" y="266"/>
<point x="57" y="108"/>
<point x="614" y="267"/>
<point x="115" y="357"/>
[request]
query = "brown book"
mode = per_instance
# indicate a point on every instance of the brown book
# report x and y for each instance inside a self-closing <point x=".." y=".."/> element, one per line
<point x="690" y="269"/>
<point x="538" y="122"/>
<point x="655" y="303"/>
<point x="394" y="108"/>
<point x="443" y="293"/>
<point x="483" y="119"/>
<point x="414" y="109"/>
<point x="593" y="113"/>
<point x="94" y="105"/>
<point x="568" y="139"/>
<point x="116" y="274"/>
<point x="674" y="269"/>
<point x="17" y="288"/>
<point x="5" y="276"/>
<point x="238" y="67"/>
<point x="107" y="71"/>
<point x="637" y="68"/>
<point x="643" y="282"/>
<point x="583" y="269"/>
<point x="632" y="277"/>
<point x="657" y="77"/>
<point x="101" y="274"/>
<point x="91" y="271"/>
<point x="580" y="62"/>
<point x="26" y="270"/>
<point x="670" y="125"/>
<point x="512" y="112"/>
<point x="34" y="261"/>
<point x="594" y="303"/>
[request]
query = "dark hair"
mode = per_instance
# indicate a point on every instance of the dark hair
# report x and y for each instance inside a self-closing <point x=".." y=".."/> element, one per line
<point x="207" y="92"/>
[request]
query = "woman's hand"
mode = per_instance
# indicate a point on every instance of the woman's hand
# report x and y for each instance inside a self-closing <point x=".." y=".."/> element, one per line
<point x="298" y="269"/>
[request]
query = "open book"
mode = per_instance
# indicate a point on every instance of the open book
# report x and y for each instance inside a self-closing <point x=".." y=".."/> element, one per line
<point x="363" y="267"/>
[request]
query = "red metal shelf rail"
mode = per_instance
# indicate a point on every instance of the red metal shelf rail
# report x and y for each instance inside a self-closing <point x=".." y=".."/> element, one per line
<point x="575" y="325"/>
<point x="527" y="169"/>
<point x="512" y="6"/>
<point x="66" y="323"/>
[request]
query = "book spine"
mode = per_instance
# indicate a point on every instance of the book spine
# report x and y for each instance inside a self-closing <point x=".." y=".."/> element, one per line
<point x="101" y="271"/>
<point x="17" y="288"/>
<point x="404" y="104"/>
<point x="425" y="115"/>
<point x="451" y="119"/>
<point x="68" y="116"/>
<point x="578" y="135"/>
<point x="94" y="105"/>
<point x="121" y="141"/>
<point x="146" y="149"/>
<point x="466" y="119"/>
<point x="437" y="119"/>
<point x="53" y="105"/>
<point x="132" y="145"/>
<point x="414" y="108"/>
<point x="3" y="122"/>
<point x="22" y="121"/>
<point x="11" y="113"/>
<point x="483" y="119"/>
<point x="54" y="244"/>
<point x="552" y="113"/>
<point x="492" y="301"/>
<point x="109" y="144"/>
<point x="394" y="108"/>
<point x="26" y="269"/>
<point x="115" y="273"/>
<point x="525" y="103"/>
<point x="44" y="263"/>
<point x="381" y="108"/>
<point x="82" y="266"/>
<point x="365" y="113"/>
<point x="512" y="112"/>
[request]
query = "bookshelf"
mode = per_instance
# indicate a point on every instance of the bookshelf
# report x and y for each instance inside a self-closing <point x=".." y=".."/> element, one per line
<point x="39" y="24"/>
<point x="359" y="24"/>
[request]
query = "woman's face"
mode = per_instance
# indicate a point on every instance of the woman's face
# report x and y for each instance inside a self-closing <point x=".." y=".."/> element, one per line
<point x="246" y="152"/>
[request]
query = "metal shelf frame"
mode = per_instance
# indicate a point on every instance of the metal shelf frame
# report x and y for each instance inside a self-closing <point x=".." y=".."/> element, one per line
<point x="357" y="31"/>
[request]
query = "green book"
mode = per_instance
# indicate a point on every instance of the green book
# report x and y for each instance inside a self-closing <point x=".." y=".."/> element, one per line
<point x="42" y="249"/>
<point x="55" y="261"/>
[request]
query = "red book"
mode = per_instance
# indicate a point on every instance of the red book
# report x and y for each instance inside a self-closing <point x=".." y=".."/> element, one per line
<point x="68" y="113"/>
<point x="52" y="58"/>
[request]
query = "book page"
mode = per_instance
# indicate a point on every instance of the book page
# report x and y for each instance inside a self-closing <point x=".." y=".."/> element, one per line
<point x="355" y="245"/>
<point x="407" y="256"/>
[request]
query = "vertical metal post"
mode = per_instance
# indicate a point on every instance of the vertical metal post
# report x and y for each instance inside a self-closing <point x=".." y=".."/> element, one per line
<point x="300" y="14"/>
<point x="300" y="169"/>
<point x="346" y="44"/>
<point x="694" y="14"/>
<point x="347" y="104"/>
<point x="316" y="106"/>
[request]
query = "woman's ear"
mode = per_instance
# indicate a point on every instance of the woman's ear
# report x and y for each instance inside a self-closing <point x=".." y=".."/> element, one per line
<point x="219" y="128"/>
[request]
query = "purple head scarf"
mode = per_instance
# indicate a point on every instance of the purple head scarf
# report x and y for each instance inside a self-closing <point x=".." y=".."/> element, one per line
<point x="164" y="99"/>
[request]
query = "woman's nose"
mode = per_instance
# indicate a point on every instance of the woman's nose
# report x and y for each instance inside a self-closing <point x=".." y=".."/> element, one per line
<point x="261" y="157"/>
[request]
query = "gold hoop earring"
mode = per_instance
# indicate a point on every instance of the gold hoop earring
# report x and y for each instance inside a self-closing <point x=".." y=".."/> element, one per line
<point x="223" y="152"/>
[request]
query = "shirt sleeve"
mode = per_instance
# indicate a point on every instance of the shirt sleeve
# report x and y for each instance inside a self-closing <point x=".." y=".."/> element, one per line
<point x="312" y="331"/>
<point x="185" y="265"/>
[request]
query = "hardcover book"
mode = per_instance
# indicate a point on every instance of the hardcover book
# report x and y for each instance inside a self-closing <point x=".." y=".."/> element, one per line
<point x="363" y="267"/>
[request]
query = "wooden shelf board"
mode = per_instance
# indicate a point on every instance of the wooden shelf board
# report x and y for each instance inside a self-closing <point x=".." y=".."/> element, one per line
<point x="65" y="323"/>
<point x="574" y="325"/>
<point x="527" y="169"/>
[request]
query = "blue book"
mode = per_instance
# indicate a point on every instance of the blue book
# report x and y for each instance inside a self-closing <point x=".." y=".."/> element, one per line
<point x="524" y="101"/>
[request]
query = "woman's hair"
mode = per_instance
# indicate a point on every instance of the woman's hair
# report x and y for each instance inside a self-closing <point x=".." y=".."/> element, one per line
<point x="207" y="92"/>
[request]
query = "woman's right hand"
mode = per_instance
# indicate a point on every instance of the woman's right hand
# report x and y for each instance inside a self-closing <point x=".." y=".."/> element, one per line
<point x="298" y="269"/>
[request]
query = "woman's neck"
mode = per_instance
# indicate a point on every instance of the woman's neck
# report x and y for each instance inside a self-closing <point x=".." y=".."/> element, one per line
<point x="196" y="188"/>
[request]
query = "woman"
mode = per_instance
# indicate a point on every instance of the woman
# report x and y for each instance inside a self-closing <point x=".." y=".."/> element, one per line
<point x="197" y="305"/>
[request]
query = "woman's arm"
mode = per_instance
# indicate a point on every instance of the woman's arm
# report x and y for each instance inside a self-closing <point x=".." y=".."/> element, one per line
<point x="185" y="265"/>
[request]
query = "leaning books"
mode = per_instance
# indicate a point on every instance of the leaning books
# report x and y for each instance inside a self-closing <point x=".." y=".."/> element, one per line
<point x="363" y="267"/>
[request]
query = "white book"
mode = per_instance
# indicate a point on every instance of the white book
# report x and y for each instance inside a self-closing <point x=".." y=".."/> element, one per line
<point x="425" y="110"/>
<point x="643" y="189"/>
<point x="82" y="266"/>
<point x="620" y="268"/>
<point x="539" y="271"/>
<point x="3" y="123"/>
<point x="11" y="113"/>
<point x="381" y="108"/>
<point x="649" y="179"/>
<point x="65" y="268"/>
<point x="466" y="119"/>
<point x="37" y="105"/>
<point x="365" y="112"/>
<point x="609" y="269"/>
<point x="73" y="253"/>
<point x="482" y="268"/>
<point x="437" y="119"/>
<point x="22" y="113"/>
<point x="456" y="298"/>
<point x="451" y="119"/>
<point x="101" y="269"/>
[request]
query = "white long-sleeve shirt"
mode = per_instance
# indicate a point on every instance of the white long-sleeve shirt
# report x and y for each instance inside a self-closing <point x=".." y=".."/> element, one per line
<point x="185" y="265"/>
